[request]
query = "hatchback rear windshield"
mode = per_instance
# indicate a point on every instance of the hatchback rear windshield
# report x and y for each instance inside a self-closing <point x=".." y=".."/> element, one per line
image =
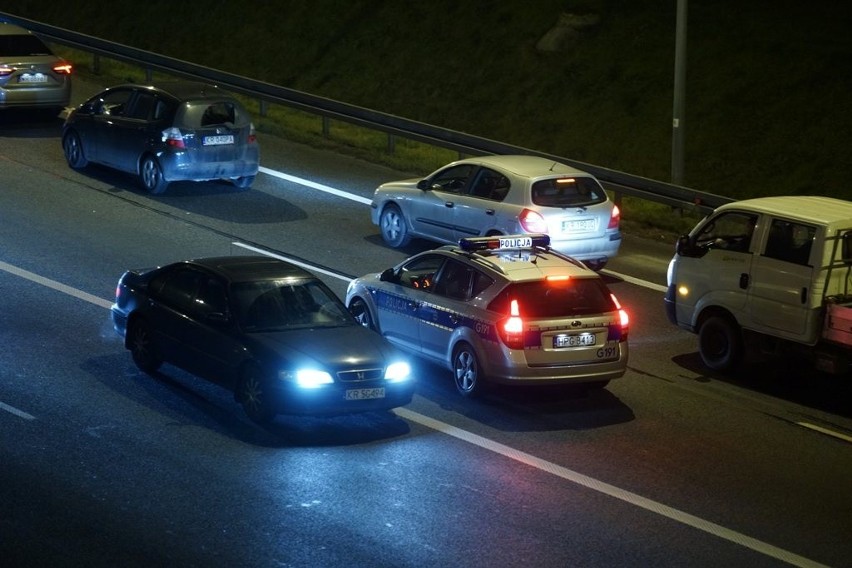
<point x="20" y="45"/>
<point x="567" y="192"/>
<point x="556" y="299"/>
<point x="201" y="114"/>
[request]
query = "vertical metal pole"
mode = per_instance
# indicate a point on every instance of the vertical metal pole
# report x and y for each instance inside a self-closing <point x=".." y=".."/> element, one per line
<point x="679" y="112"/>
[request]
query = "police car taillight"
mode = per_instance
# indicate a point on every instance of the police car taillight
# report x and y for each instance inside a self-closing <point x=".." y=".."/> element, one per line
<point x="532" y="221"/>
<point x="173" y="138"/>
<point x="511" y="329"/>
<point x="619" y="332"/>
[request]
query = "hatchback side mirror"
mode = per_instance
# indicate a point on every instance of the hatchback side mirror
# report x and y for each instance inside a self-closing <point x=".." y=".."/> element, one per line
<point x="424" y="185"/>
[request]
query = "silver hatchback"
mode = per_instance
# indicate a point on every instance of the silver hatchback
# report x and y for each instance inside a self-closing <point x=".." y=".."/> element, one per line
<point x="502" y="195"/>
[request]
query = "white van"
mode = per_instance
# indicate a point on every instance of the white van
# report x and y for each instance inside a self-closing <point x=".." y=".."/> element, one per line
<point x="773" y="270"/>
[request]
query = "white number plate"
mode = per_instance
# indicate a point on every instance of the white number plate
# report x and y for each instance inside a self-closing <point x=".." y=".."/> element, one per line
<point x="218" y="140"/>
<point x="578" y="226"/>
<point x="32" y="78"/>
<point x="579" y="340"/>
<point x="364" y="394"/>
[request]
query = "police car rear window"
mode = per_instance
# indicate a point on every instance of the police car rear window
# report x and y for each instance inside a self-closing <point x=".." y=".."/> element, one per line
<point x="546" y="299"/>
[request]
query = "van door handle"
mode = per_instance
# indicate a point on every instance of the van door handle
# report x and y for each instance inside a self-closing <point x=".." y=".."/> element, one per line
<point x="744" y="280"/>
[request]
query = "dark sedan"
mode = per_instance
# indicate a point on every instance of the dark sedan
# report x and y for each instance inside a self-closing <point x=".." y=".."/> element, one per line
<point x="266" y="329"/>
<point x="177" y="131"/>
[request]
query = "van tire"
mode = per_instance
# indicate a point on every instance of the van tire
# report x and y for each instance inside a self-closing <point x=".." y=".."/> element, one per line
<point x="720" y="343"/>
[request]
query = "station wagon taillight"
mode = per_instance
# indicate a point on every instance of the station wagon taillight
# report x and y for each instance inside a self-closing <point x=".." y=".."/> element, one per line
<point x="511" y="329"/>
<point x="614" y="218"/>
<point x="623" y="322"/>
<point x="173" y="138"/>
<point x="532" y="221"/>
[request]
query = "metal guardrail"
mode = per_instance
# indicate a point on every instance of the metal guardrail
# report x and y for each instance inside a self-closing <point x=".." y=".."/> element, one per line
<point x="618" y="182"/>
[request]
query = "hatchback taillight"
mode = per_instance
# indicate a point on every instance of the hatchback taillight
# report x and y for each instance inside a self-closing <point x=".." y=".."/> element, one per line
<point x="511" y="329"/>
<point x="532" y="221"/>
<point x="173" y="138"/>
<point x="614" y="218"/>
<point x="252" y="137"/>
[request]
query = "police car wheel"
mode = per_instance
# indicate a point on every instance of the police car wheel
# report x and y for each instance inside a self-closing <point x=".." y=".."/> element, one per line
<point x="467" y="372"/>
<point x="392" y="225"/>
<point x="358" y="309"/>
<point x="720" y="343"/>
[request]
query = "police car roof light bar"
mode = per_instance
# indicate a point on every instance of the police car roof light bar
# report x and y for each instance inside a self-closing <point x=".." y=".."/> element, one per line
<point x="504" y="242"/>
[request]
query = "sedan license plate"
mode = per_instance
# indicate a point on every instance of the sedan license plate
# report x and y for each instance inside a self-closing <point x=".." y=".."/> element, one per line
<point x="577" y="340"/>
<point x="365" y="394"/>
<point x="218" y="140"/>
<point x="578" y="226"/>
<point x="33" y="78"/>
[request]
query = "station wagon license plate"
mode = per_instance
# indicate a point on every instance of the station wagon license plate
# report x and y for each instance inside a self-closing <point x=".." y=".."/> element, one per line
<point x="578" y="226"/>
<point x="218" y="140"/>
<point x="577" y="340"/>
<point x="365" y="394"/>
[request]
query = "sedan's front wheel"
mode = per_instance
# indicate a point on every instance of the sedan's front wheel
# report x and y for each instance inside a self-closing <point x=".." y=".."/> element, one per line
<point x="255" y="394"/>
<point x="243" y="182"/>
<point x="151" y="176"/>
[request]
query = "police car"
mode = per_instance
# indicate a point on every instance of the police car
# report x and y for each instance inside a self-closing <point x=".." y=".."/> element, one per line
<point x="503" y="309"/>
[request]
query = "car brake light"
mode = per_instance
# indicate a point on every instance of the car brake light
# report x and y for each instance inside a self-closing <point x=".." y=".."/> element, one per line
<point x="623" y="322"/>
<point x="63" y="68"/>
<point x="614" y="218"/>
<point x="6" y="70"/>
<point x="252" y="137"/>
<point x="173" y="138"/>
<point x="511" y="330"/>
<point x="532" y="221"/>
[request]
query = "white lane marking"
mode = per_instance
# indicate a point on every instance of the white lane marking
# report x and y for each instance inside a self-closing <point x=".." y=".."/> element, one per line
<point x="366" y="201"/>
<point x="610" y="490"/>
<point x="825" y="431"/>
<point x="31" y="276"/>
<point x="314" y="185"/>
<point x="16" y="412"/>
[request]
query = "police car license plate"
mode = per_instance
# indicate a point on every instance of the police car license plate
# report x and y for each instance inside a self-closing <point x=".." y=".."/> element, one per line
<point x="218" y="140"/>
<point x="578" y="340"/>
<point x="364" y="394"/>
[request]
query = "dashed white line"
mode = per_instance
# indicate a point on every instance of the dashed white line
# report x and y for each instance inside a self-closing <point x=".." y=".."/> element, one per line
<point x="16" y="412"/>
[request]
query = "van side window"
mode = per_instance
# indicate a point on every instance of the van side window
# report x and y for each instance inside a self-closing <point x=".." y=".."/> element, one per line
<point x="790" y="242"/>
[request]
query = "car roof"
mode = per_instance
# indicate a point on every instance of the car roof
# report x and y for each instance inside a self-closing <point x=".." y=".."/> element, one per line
<point x="527" y="166"/>
<point x="12" y="29"/>
<point x="524" y="265"/>
<point x="180" y="90"/>
<point x="250" y="268"/>
<point x="812" y="208"/>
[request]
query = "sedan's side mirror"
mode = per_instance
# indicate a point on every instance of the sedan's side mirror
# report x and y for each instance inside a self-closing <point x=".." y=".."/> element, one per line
<point x="388" y="275"/>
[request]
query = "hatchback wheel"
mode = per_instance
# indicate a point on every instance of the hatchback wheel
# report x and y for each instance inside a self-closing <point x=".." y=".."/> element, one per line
<point x="392" y="225"/>
<point x="73" y="149"/>
<point x="151" y="176"/>
<point x="254" y="393"/>
<point x="467" y="372"/>
<point x="141" y="345"/>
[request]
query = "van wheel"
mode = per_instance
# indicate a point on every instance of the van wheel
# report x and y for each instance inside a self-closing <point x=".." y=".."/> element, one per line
<point x="467" y="371"/>
<point x="720" y="343"/>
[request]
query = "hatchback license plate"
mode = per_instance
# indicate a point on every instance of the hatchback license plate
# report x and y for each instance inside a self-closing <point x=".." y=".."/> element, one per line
<point x="578" y="226"/>
<point x="218" y="140"/>
<point x="578" y="340"/>
<point x="365" y="394"/>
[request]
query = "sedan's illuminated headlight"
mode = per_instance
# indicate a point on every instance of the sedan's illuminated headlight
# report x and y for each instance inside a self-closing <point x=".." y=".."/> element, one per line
<point x="307" y="378"/>
<point x="397" y="372"/>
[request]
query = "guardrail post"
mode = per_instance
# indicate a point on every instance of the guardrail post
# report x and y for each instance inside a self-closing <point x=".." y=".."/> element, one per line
<point x="391" y="144"/>
<point x="263" y="107"/>
<point x="148" y="75"/>
<point x="96" y="64"/>
<point x="325" y="126"/>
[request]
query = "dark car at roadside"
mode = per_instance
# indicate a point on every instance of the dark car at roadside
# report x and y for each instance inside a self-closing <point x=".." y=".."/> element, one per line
<point x="265" y="329"/>
<point x="172" y="131"/>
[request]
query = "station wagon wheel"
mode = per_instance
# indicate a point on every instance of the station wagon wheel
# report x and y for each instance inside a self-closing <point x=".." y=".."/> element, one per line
<point x="393" y="228"/>
<point x="141" y="345"/>
<point x="73" y="149"/>
<point x="467" y="372"/>
<point x="720" y="343"/>
<point x="151" y="176"/>
<point x="358" y="308"/>
<point x="243" y="182"/>
<point x="254" y="393"/>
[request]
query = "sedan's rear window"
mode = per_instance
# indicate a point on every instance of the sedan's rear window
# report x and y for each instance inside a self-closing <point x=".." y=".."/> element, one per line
<point x="21" y="45"/>
<point x="567" y="192"/>
<point x="556" y="299"/>
<point x="201" y="114"/>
